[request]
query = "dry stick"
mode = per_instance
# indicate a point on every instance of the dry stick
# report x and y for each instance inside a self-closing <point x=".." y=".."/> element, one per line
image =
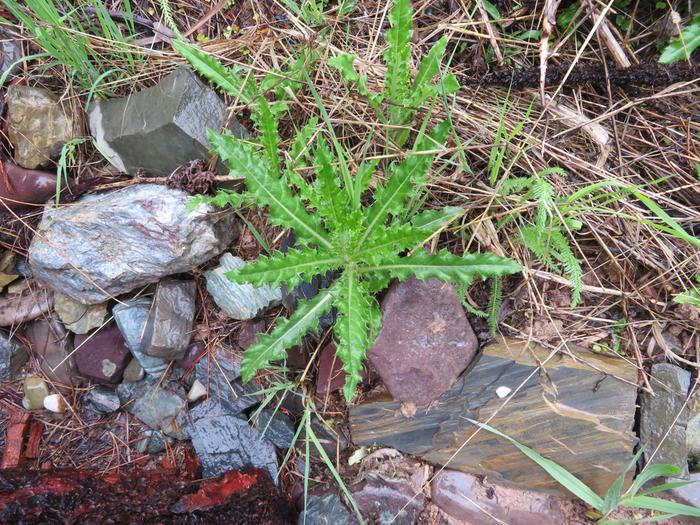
<point x="607" y="36"/>
<point x="491" y="32"/>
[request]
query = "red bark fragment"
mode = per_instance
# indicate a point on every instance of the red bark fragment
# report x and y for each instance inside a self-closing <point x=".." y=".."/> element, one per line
<point x="14" y="444"/>
<point x="32" y="451"/>
<point x="214" y="493"/>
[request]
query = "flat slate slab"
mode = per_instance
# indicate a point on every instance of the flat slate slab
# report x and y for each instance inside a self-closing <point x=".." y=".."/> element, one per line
<point x="579" y="413"/>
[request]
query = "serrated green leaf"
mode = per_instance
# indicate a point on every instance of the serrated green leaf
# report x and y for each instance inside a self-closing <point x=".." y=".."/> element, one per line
<point x="433" y="220"/>
<point x="291" y="268"/>
<point x="446" y="266"/>
<point x="331" y="202"/>
<point x="269" y="136"/>
<point x="364" y="175"/>
<point x="661" y="505"/>
<point x="287" y="333"/>
<point x="227" y="80"/>
<point x="398" y="54"/>
<point x="412" y="171"/>
<point x="559" y="473"/>
<point x="427" y="69"/>
<point x="682" y="47"/>
<point x="351" y="329"/>
<point x="389" y="241"/>
<point x="285" y="209"/>
<point x="221" y="199"/>
<point x="345" y="64"/>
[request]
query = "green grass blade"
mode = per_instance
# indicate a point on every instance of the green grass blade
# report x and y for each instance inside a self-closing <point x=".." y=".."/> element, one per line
<point x="660" y="505"/>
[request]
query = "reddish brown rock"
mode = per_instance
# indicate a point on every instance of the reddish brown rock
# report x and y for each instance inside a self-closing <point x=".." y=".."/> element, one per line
<point x="102" y="356"/>
<point x="468" y="500"/>
<point x="331" y="376"/>
<point x="51" y="347"/>
<point x="425" y="341"/>
<point x="249" y="332"/>
<point x="22" y="187"/>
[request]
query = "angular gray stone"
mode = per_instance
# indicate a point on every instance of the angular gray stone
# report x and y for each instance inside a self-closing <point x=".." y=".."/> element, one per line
<point x="159" y="408"/>
<point x="658" y="413"/>
<point x="326" y="510"/>
<point x="425" y="342"/>
<point x="13" y="355"/>
<point x="111" y="243"/>
<point x="386" y="501"/>
<point x="225" y="443"/>
<point x="134" y="371"/>
<point x="688" y="494"/>
<point x="238" y="301"/>
<point x="219" y="373"/>
<point x="467" y="498"/>
<point x="11" y="52"/>
<point x="153" y="443"/>
<point x="39" y="125"/>
<point x="102" y="400"/>
<point x="692" y="432"/>
<point x="131" y="318"/>
<point x="276" y="427"/>
<point x="169" y="327"/>
<point x="160" y="128"/>
<point x="77" y="317"/>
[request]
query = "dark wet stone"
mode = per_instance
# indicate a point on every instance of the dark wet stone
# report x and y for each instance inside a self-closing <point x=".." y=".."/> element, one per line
<point x="11" y="52"/>
<point x="13" y="355"/>
<point x="590" y="402"/>
<point x="332" y="437"/>
<point x="102" y="400"/>
<point x="131" y="318"/>
<point x="225" y="442"/>
<point x="26" y="187"/>
<point x="276" y="427"/>
<point x="382" y="500"/>
<point x="159" y="408"/>
<point x="658" y="425"/>
<point x="425" y="341"/>
<point x="331" y="376"/>
<point x="52" y="347"/>
<point x="112" y="243"/>
<point x="464" y="497"/>
<point x="102" y="356"/>
<point x="192" y="355"/>
<point x="160" y="128"/>
<point x="38" y="127"/>
<point x="249" y="331"/>
<point x="153" y="443"/>
<point x="238" y="301"/>
<point x="326" y="509"/>
<point x="169" y="327"/>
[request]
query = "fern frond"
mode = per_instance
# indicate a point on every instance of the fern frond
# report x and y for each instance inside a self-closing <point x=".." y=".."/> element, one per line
<point x="351" y="328"/>
<point x="290" y="268"/>
<point x="516" y="185"/>
<point x="389" y="199"/>
<point x="285" y="210"/>
<point x="287" y="333"/>
<point x="495" y="302"/>
<point x="398" y="55"/>
<point x="572" y="268"/>
<point x="269" y="136"/>
<point x="226" y="79"/>
<point x="446" y="266"/>
<point x="538" y="244"/>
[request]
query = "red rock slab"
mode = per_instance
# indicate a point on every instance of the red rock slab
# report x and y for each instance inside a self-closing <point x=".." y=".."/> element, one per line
<point x="102" y="356"/>
<point x="20" y="187"/>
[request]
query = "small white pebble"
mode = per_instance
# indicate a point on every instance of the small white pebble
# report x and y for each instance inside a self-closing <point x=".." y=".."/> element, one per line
<point x="197" y="391"/>
<point x="503" y="391"/>
<point x="55" y="403"/>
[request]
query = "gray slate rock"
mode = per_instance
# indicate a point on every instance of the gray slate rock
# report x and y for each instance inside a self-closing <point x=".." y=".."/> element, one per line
<point x="276" y="427"/>
<point x="689" y="494"/>
<point x="169" y="327"/>
<point x="160" y="128"/>
<point x="326" y="510"/>
<point x="238" y="301"/>
<point x="692" y="436"/>
<point x="112" y="243"/>
<point x="11" y="52"/>
<point x="13" y="355"/>
<point x="102" y="400"/>
<point x="159" y="408"/>
<point x="658" y="412"/>
<point x="225" y="443"/>
<point x="131" y="318"/>
<point x="220" y="373"/>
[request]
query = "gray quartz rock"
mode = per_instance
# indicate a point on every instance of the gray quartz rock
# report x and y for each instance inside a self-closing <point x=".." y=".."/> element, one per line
<point x="102" y="400"/>
<point x="39" y="125"/>
<point x="13" y="355"/>
<point x="131" y="318"/>
<point x="326" y="510"/>
<point x="160" y="128"/>
<point x="169" y="327"/>
<point x="239" y="301"/>
<point x="224" y="442"/>
<point x="664" y="417"/>
<point x="112" y="243"/>
<point x="159" y="408"/>
<point x="276" y="427"/>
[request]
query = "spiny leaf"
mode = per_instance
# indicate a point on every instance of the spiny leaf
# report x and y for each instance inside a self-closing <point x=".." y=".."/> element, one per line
<point x="428" y="68"/>
<point x="364" y="174"/>
<point x="389" y="241"/>
<point x="412" y="171"/>
<point x="285" y="209"/>
<point x="269" y="136"/>
<point x="433" y="220"/>
<point x="398" y="53"/>
<point x="300" y="154"/>
<point x="446" y="266"/>
<point x="351" y="329"/>
<point x="682" y="47"/>
<point x="291" y="268"/>
<point x="331" y="202"/>
<point x="227" y="80"/>
<point x="287" y="333"/>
